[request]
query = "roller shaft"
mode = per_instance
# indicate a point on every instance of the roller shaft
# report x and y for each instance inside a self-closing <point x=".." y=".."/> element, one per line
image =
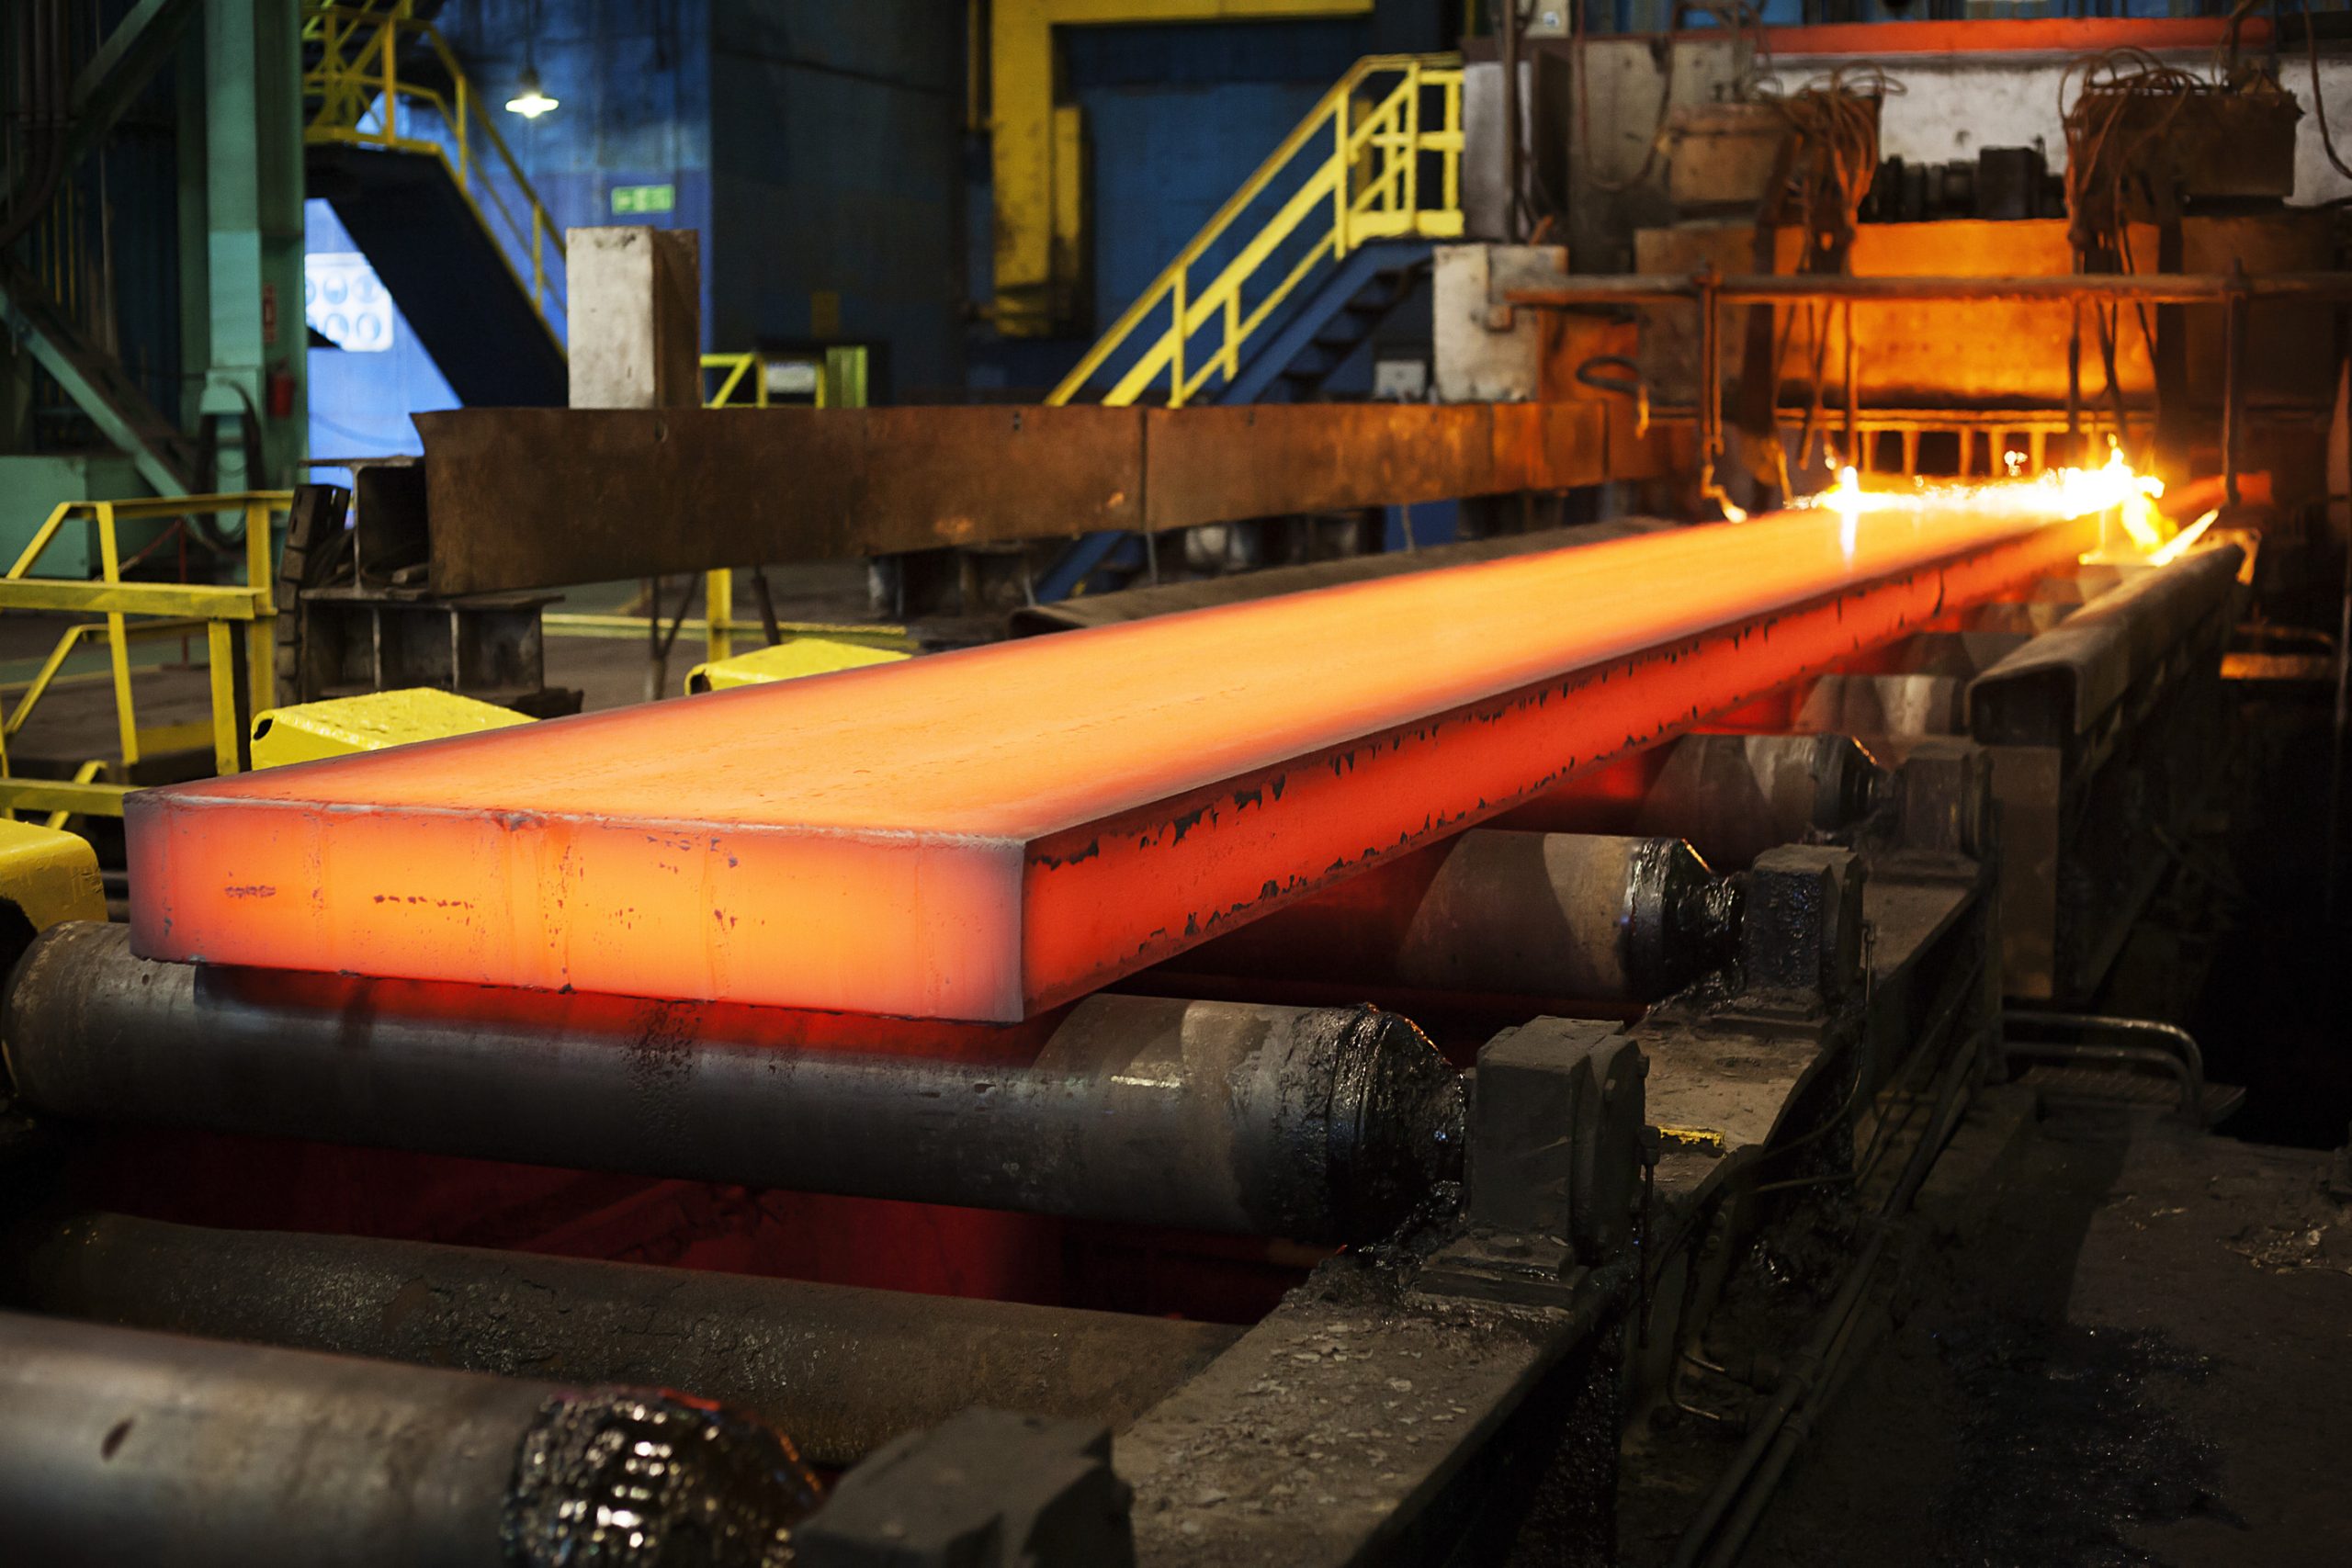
<point x="1732" y="796"/>
<point x="120" y="1447"/>
<point x="1317" y="1124"/>
<point x="1541" y="914"/>
<point x="842" y="1370"/>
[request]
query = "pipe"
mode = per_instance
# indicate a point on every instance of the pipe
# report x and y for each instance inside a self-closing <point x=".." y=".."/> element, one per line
<point x="1506" y="16"/>
<point x="1522" y="914"/>
<point x="118" y="1446"/>
<point x="842" y="1370"/>
<point x="1313" y="1124"/>
<point x="2234" y="329"/>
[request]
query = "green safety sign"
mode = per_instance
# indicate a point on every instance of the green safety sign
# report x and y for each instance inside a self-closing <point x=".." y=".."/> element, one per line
<point x="644" y="198"/>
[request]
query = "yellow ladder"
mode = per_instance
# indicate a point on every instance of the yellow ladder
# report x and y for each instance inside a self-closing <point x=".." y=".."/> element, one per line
<point x="362" y="100"/>
<point x="1357" y="161"/>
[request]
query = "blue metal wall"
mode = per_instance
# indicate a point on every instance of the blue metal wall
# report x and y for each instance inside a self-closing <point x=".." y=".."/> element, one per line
<point x="1178" y="117"/>
<point x="837" y="156"/>
<point x="360" y="400"/>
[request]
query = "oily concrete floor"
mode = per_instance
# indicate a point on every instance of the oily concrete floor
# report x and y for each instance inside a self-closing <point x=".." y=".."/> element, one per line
<point x="2130" y="1345"/>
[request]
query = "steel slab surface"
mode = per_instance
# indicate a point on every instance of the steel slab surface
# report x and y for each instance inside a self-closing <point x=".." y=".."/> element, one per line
<point x="980" y="835"/>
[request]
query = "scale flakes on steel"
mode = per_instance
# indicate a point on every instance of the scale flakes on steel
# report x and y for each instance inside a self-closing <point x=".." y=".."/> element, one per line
<point x="983" y="834"/>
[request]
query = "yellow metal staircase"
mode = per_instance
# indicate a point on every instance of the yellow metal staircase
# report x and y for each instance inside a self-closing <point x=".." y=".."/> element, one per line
<point x="403" y="144"/>
<point x="1377" y="160"/>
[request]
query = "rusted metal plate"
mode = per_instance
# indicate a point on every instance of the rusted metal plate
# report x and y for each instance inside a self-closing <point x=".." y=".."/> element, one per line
<point x="981" y="835"/>
<point x="1556" y="445"/>
<point x="1220" y="465"/>
<point x="968" y="476"/>
<point x="523" y="498"/>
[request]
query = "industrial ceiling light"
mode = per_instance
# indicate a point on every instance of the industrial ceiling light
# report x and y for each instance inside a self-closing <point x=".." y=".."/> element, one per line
<point x="530" y="100"/>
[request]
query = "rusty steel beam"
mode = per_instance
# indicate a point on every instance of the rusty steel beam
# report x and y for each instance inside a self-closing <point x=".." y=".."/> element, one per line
<point x="983" y="834"/>
<point x="536" y="498"/>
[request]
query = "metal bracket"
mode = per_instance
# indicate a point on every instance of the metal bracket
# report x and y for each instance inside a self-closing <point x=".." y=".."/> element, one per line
<point x="1555" y="1164"/>
<point x="984" y="1490"/>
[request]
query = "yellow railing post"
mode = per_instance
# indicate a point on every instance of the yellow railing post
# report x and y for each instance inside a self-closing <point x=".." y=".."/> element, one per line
<point x="1339" y="167"/>
<point x="390" y="118"/>
<point x="117" y="645"/>
<point x="1413" y="137"/>
<point x="719" y="613"/>
<point x="1176" y="350"/>
<point x="261" y="631"/>
<point x="1452" y="159"/>
<point x="222" y="660"/>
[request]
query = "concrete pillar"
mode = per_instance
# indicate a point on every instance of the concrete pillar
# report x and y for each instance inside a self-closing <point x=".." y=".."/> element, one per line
<point x="636" y="317"/>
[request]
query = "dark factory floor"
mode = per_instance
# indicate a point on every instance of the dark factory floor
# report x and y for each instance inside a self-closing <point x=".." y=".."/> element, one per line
<point x="2119" y="1342"/>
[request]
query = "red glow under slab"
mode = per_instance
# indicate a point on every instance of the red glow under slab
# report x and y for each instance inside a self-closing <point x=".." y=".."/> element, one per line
<point x="983" y="834"/>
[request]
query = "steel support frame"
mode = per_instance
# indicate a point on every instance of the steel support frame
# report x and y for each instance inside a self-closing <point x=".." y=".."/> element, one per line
<point x="253" y="333"/>
<point x="154" y="466"/>
<point x="120" y="70"/>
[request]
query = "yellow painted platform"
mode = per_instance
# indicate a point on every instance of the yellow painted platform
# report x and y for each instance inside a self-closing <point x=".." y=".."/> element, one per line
<point x="340" y="726"/>
<point x="788" y="660"/>
<point x="49" y="875"/>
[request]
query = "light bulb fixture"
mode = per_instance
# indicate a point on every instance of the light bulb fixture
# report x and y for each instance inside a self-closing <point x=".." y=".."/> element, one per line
<point x="530" y="99"/>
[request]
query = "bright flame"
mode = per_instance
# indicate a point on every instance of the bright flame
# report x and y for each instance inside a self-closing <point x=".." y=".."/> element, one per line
<point x="2114" y="485"/>
<point x="2180" y="542"/>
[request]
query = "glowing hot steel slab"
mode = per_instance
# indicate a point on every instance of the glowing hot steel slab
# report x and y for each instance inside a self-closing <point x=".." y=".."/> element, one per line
<point x="982" y="834"/>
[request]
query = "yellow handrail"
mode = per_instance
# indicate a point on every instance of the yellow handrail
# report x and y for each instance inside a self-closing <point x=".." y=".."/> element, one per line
<point x="1358" y="156"/>
<point x="359" y="92"/>
<point x="223" y="613"/>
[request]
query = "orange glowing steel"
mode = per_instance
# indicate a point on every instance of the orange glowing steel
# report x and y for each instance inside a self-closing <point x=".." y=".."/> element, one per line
<point x="982" y="834"/>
